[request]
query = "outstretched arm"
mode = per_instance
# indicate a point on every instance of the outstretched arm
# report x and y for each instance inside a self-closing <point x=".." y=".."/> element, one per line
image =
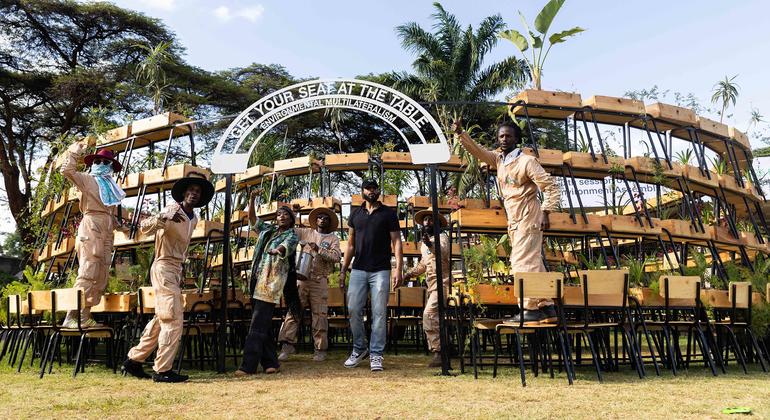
<point x="487" y="156"/>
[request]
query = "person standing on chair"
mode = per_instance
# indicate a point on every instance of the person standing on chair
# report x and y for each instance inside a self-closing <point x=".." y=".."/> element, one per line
<point x="98" y="196"/>
<point x="427" y="266"/>
<point x="173" y="228"/>
<point x="320" y="241"/>
<point x="271" y="267"/>
<point x="519" y="177"/>
<point x="373" y="231"/>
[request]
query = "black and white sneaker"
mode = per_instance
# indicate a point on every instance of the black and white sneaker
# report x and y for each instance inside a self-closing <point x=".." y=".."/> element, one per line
<point x="375" y="363"/>
<point x="356" y="358"/>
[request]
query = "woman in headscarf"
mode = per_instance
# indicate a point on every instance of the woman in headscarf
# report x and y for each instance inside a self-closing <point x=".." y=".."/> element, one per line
<point x="99" y="197"/>
<point x="270" y="269"/>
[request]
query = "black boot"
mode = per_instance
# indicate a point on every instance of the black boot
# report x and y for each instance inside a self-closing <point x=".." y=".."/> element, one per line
<point x="134" y="369"/>
<point x="169" y="377"/>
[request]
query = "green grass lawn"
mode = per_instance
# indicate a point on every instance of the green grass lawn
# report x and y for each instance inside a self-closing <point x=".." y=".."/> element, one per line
<point x="406" y="388"/>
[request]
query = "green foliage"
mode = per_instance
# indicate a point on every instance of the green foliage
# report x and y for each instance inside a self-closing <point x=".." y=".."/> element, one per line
<point x="636" y="274"/>
<point x="684" y="157"/>
<point x="719" y="165"/>
<point x="539" y="51"/>
<point x="760" y="319"/>
<point x="449" y="64"/>
<point x="725" y="93"/>
<point x="479" y="259"/>
<point x="150" y="71"/>
<point x="12" y="245"/>
<point x="596" y="263"/>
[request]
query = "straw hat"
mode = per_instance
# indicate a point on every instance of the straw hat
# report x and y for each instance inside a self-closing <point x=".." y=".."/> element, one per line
<point x="312" y="218"/>
<point x="422" y="214"/>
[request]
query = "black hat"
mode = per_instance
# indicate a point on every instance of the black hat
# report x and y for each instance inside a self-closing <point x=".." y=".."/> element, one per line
<point x="193" y="178"/>
<point x="369" y="183"/>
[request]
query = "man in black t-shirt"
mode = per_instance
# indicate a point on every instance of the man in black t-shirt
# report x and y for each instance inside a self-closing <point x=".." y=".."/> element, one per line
<point x="373" y="230"/>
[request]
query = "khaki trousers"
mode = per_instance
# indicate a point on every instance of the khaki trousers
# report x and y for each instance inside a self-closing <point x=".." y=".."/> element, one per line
<point x="526" y="252"/>
<point x="94" y="251"/>
<point x="313" y="293"/>
<point x="165" y="329"/>
<point x="430" y="320"/>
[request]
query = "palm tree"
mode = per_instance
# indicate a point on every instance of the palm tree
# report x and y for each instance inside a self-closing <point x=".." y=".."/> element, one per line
<point x="725" y="91"/>
<point x="150" y="71"/>
<point x="449" y="64"/>
<point x="450" y="67"/>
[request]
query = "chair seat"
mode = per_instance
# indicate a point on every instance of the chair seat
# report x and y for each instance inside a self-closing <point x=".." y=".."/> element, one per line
<point x="202" y="328"/>
<point x="96" y="332"/>
<point x="486" y="323"/>
<point x="729" y="324"/>
<point x="592" y="325"/>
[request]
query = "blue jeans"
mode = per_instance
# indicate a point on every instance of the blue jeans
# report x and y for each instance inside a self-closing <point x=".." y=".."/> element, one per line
<point x="361" y="284"/>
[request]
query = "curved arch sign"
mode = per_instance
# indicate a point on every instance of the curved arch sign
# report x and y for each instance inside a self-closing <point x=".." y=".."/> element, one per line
<point x="412" y="122"/>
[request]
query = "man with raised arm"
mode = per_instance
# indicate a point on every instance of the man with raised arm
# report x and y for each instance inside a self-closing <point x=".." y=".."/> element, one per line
<point x="373" y="232"/>
<point x="98" y="196"/>
<point x="173" y="228"/>
<point x="520" y="177"/>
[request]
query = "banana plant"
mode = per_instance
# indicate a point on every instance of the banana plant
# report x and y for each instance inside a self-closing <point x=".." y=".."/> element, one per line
<point x="540" y="48"/>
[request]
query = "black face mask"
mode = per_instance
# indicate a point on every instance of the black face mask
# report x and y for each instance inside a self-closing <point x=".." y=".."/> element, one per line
<point x="372" y="199"/>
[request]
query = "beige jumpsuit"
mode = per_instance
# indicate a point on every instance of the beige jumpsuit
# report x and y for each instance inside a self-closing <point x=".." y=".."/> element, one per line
<point x="315" y="291"/>
<point x="95" y="233"/>
<point x="165" y="329"/>
<point x="427" y="265"/>
<point x="519" y="179"/>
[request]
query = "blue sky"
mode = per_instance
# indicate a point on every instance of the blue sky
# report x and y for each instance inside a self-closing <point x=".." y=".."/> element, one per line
<point x="683" y="46"/>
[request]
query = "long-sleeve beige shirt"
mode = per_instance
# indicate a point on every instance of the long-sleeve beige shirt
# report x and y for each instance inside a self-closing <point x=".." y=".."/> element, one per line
<point x="427" y="263"/>
<point x="519" y="178"/>
<point x="171" y="238"/>
<point x="328" y="252"/>
<point x="88" y="189"/>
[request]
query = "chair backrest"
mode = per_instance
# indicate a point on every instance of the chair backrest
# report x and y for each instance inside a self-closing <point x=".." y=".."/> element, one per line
<point x="549" y="285"/>
<point x="39" y="300"/>
<point x="410" y="297"/>
<point x="336" y="297"/>
<point x="71" y="299"/>
<point x="14" y="309"/>
<point x="740" y="294"/>
<point x="146" y="298"/>
<point x="604" y="287"/>
<point x="115" y="303"/>
<point x="680" y="290"/>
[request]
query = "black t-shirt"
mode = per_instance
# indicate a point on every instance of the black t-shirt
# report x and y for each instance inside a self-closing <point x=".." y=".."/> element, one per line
<point x="372" y="237"/>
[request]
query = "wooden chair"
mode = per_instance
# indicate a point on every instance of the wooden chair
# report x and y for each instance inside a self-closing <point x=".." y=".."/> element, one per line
<point x="604" y="308"/>
<point x="738" y="318"/>
<point x="38" y="304"/>
<point x="683" y="312"/>
<point x="410" y="302"/>
<point x="536" y="286"/>
<point x="72" y="299"/>
<point x="337" y="313"/>
<point x="14" y="332"/>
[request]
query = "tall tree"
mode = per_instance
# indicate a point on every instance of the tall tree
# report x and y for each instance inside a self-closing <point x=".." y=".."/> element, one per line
<point x="59" y="58"/>
<point x="450" y="64"/>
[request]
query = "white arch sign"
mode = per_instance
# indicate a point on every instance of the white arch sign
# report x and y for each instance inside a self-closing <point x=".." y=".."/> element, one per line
<point x="413" y="123"/>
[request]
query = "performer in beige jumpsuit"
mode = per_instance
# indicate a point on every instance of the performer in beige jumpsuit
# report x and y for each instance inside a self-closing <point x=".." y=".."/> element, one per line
<point x="519" y="177"/>
<point x="320" y="241"/>
<point x="95" y="233"/>
<point x="173" y="228"/>
<point x="427" y="265"/>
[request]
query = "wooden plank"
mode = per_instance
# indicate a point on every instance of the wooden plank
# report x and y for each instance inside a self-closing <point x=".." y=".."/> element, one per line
<point x="580" y="161"/>
<point x="741" y="291"/>
<point x="67" y="299"/>
<point x="546" y="157"/>
<point x="629" y="225"/>
<point x="157" y="122"/>
<point x="539" y="285"/>
<point x="715" y="298"/>
<point x="684" y="229"/>
<point x="569" y="102"/>
<point x="739" y="137"/>
<point x="608" y="104"/>
<point x="156" y="177"/>
<point x="421" y="202"/>
<point x="116" y="302"/>
<point x="693" y="174"/>
<point x="605" y="287"/>
<point x="346" y="162"/>
<point x="489" y="294"/>
<point x="679" y="287"/>
<point x="252" y="176"/>
<point x="671" y="114"/>
<point x="454" y="164"/>
<point x="562" y="223"/>
<point x="306" y="205"/>
<point x="481" y="219"/>
<point x="302" y="165"/>
<point x="399" y="160"/>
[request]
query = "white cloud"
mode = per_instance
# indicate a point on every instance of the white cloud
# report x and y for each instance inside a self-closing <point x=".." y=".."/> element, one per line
<point x="250" y="13"/>
<point x="167" y="5"/>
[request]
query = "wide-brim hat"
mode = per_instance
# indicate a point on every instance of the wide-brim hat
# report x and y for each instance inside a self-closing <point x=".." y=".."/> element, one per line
<point x="104" y="154"/>
<point x="312" y="218"/>
<point x="194" y="178"/>
<point x="422" y="214"/>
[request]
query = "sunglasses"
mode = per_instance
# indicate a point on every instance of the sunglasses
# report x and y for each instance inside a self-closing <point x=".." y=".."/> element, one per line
<point x="98" y="161"/>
